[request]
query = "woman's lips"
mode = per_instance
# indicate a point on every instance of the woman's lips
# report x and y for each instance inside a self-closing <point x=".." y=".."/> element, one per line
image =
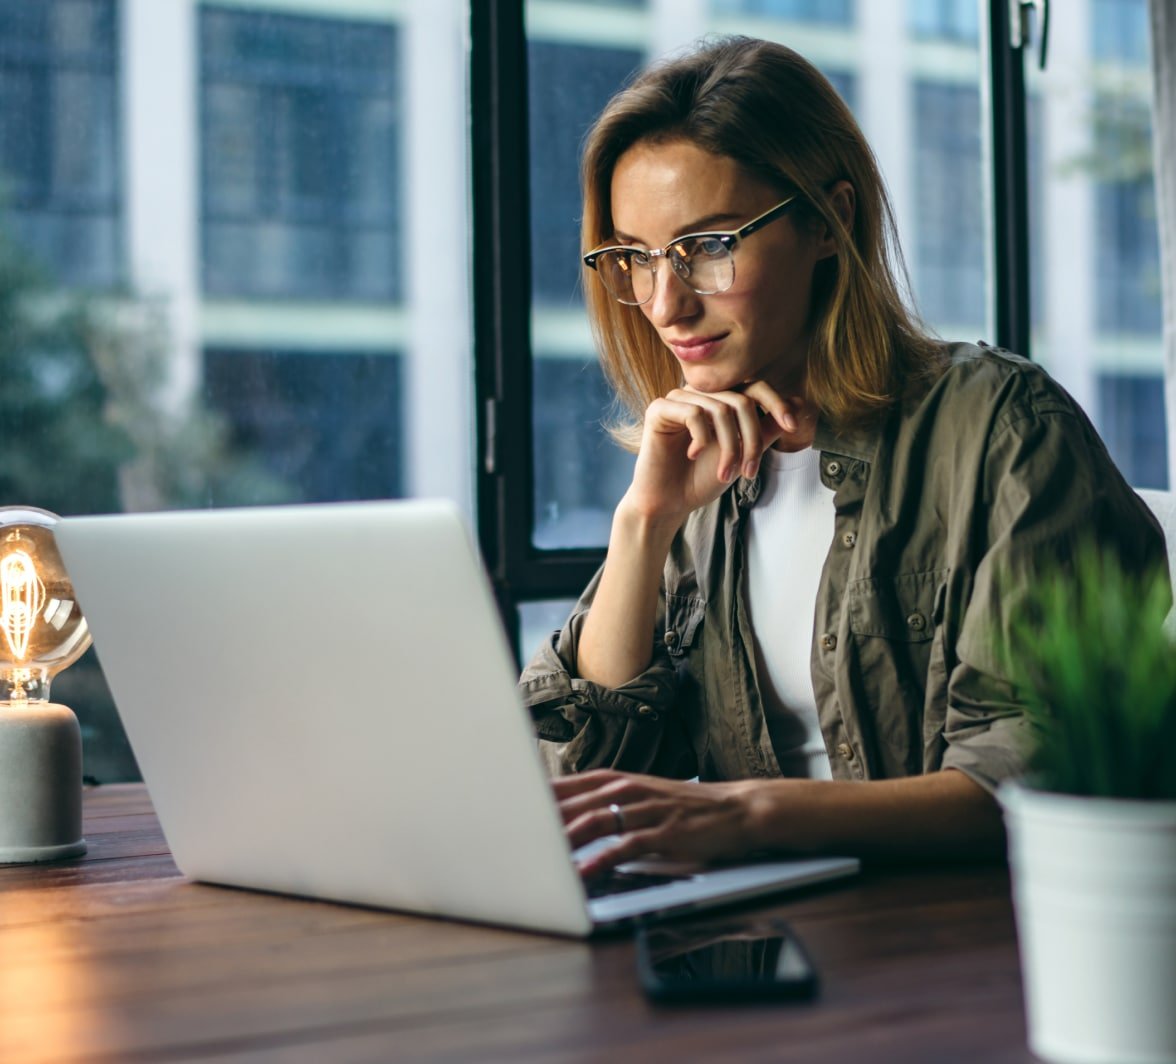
<point x="695" y="349"/>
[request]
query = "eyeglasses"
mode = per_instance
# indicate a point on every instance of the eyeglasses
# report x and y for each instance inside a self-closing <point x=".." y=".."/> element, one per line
<point x="705" y="261"/>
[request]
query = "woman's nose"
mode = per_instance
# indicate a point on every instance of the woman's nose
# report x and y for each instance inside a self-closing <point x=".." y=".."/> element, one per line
<point x="672" y="300"/>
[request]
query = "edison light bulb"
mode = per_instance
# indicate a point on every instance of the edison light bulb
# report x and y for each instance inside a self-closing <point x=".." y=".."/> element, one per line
<point x="42" y="630"/>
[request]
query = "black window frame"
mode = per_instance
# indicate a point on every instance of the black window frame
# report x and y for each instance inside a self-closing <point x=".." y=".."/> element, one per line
<point x="501" y="280"/>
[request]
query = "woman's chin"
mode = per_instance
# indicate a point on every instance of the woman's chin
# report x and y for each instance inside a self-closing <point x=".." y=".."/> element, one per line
<point x="710" y="379"/>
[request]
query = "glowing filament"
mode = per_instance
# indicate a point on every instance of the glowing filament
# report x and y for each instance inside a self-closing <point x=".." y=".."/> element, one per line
<point x="21" y="597"/>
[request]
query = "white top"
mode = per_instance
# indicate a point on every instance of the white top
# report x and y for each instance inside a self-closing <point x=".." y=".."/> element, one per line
<point x="787" y="539"/>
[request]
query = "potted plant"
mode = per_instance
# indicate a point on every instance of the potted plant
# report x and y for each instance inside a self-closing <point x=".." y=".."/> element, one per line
<point x="1092" y="827"/>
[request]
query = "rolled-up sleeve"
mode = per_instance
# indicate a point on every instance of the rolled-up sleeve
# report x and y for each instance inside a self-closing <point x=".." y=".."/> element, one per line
<point x="1049" y="486"/>
<point x="583" y="725"/>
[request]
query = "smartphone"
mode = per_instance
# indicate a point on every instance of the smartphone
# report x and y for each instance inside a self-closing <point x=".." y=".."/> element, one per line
<point x="724" y="961"/>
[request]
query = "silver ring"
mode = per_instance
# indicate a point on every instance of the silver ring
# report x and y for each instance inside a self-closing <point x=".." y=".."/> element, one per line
<point x="618" y="816"/>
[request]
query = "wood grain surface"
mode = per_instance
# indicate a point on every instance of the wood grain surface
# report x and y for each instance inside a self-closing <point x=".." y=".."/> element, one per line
<point x="116" y="957"/>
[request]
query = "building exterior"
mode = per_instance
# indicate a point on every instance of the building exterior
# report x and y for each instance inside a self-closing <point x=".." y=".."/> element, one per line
<point x="261" y="172"/>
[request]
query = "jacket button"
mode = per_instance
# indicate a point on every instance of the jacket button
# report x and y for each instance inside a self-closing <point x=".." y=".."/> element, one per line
<point x="916" y="622"/>
<point x="849" y="539"/>
<point x="833" y="468"/>
<point x="829" y="641"/>
<point x="647" y="711"/>
<point x="846" y="751"/>
<point x="671" y="638"/>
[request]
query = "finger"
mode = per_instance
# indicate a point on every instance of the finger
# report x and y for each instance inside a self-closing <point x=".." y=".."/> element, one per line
<point x="701" y="434"/>
<point x="748" y="426"/>
<point x="747" y="413"/>
<point x="752" y="421"/>
<point x="622" y="792"/>
<point x="628" y="847"/>
<point x="763" y="417"/>
<point x="619" y="814"/>
<point x="724" y="425"/>
<point x="594" y="779"/>
<point x="591" y="825"/>
<point x="779" y="409"/>
<point x="765" y="396"/>
<point x="581" y="782"/>
<point x="673" y="416"/>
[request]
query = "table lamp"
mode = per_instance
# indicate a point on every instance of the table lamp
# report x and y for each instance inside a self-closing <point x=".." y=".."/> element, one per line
<point x="42" y="630"/>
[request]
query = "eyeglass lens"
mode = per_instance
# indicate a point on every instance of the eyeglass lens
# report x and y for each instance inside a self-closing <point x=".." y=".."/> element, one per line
<point x="704" y="263"/>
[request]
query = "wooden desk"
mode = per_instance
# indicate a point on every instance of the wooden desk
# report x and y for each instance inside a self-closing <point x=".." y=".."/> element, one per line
<point x="117" y="958"/>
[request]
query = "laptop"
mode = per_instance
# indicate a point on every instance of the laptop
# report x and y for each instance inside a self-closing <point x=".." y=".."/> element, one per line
<point x="322" y="702"/>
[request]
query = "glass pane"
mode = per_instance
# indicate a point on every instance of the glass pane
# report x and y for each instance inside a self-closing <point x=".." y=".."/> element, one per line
<point x="301" y="130"/>
<point x="920" y="109"/>
<point x="59" y="189"/>
<point x="1097" y="272"/>
<point x="579" y="473"/>
<point x="791" y="10"/>
<point x="948" y="253"/>
<point x="538" y="620"/>
<point x="219" y="198"/>
<point x="946" y="20"/>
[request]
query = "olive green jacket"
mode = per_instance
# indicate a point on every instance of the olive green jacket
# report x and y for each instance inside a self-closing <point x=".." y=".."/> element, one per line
<point x="993" y="471"/>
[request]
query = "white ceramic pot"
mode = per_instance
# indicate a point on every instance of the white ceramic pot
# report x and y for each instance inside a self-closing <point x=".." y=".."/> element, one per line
<point x="1094" y="889"/>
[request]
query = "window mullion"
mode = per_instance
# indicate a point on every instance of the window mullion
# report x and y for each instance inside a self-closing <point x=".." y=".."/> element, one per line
<point x="1010" y="183"/>
<point x="501" y="287"/>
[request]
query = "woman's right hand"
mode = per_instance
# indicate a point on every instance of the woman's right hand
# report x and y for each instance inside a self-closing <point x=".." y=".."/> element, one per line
<point x="694" y="444"/>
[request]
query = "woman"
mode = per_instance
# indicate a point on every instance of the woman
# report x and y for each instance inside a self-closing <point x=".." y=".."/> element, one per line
<point x="841" y="698"/>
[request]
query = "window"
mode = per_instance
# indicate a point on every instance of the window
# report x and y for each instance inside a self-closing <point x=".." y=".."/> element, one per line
<point x="59" y="173"/>
<point x="300" y="129"/>
<point x="569" y="84"/>
<point x="266" y="340"/>
<point x="932" y="159"/>
<point x="1096" y="310"/>
<point x="949" y="258"/>
<point x="1131" y="415"/>
<point x="1120" y="32"/>
<point x="579" y="474"/>
<point x="954" y="20"/>
<point x="846" y="85"/>
<point x="1128" y="264"/>
<point x="828" y="11"/>
<point x="318" y="427"/>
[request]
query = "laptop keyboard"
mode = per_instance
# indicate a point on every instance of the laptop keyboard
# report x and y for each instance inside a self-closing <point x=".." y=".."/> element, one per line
<point x="614" y="882"/>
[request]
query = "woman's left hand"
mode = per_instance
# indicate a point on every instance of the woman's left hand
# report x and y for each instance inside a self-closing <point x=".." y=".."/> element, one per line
<point x="675" y="819"/>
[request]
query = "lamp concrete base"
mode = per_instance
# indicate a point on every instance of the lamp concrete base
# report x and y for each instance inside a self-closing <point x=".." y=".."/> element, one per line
<point x="40" y="783"/>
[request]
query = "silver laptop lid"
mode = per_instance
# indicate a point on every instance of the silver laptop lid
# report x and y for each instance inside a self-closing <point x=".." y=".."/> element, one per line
<point x="322" y="702"/>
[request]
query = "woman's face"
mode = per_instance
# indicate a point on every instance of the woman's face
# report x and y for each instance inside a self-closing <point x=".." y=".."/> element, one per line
<point x="759" y="328"/>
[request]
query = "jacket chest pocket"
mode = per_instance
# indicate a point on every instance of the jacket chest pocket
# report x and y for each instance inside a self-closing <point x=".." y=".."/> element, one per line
<point x="902" y="609"/>
<point x="684" y="615"/>
<point x="894" y="624"/>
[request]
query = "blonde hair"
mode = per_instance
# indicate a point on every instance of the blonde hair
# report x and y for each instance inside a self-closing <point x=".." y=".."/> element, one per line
<point x="772" y="112"/>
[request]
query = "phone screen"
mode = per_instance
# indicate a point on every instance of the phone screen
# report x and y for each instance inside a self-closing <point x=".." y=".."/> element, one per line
<point x="728" y="962"/>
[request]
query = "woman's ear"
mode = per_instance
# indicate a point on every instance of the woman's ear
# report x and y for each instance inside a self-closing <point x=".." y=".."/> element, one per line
<point x="843" y="200"/>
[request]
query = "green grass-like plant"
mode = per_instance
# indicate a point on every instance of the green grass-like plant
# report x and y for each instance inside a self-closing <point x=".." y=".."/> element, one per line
<point x="1099" y="671"/>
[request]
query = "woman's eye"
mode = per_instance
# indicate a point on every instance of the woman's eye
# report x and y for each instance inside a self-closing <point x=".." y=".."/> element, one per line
<point x="709" y="247"/>
<point x="639" y="258"/>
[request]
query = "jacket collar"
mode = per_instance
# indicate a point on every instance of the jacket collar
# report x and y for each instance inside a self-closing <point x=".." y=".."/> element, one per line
<point x="860" y="443"/>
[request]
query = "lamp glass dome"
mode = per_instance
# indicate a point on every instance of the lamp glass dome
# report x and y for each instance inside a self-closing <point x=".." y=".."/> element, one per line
<point x="42" y="629"/>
